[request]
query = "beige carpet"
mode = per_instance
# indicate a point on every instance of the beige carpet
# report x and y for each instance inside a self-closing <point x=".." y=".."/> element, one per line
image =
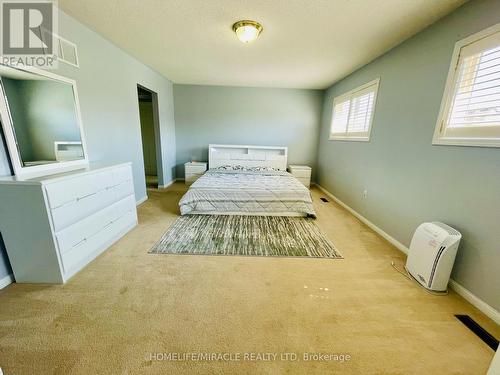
<point x="128" y="304"/>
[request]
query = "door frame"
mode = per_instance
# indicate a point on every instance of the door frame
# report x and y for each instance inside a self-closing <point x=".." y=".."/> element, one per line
<point x="157" y="132"/>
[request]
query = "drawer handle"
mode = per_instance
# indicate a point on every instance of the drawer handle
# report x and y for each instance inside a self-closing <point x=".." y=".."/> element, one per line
<point x="80" y="242"/>
<point x="107" y="225"/>
<point x="86" y="196"/>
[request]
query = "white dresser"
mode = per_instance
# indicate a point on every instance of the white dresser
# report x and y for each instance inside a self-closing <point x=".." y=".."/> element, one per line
<point x="193" y="170"/>
<point x="54" y="225"/>
<point x="301" y="173"/>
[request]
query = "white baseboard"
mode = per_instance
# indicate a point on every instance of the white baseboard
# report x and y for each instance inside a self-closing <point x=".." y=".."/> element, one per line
<point x="167" y="184"/>
<point x="466" y="294"/>
<point x="141" y="201"/>
<point x="9" y="279"/>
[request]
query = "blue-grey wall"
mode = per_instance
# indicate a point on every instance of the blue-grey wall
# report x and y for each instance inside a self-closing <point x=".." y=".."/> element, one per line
<point x="248" y="116"/>
<point x="409" y="180"/>
<point x="107" y="86"/>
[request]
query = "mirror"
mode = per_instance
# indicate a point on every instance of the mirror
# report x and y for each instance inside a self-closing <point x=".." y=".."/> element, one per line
<point x="42" y="111"/>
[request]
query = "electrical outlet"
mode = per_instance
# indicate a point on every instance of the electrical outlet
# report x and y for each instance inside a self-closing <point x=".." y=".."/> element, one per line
<point x="365" y="194"/>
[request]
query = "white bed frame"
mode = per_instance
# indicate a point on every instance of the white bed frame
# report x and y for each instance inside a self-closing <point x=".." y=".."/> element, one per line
<point x="247" y="156"/>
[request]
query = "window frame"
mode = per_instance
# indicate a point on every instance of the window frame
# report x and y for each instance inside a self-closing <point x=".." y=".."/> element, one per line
<point x="347" y="95"/>
<point x="439" y="137"/>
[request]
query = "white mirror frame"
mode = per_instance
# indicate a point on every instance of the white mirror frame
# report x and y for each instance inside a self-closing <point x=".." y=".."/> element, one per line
<point x="10" y="138"/>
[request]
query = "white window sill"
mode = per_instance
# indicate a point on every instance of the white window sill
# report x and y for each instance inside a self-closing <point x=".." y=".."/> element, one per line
<point x="466" y="142"/>
<point x="354" y="139"/>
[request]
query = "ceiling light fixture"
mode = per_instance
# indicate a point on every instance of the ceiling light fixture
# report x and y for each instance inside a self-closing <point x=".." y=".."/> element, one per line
<point x="247" y="31"/>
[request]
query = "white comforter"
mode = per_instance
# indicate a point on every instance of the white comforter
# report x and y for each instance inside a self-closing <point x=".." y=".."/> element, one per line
<point x="247" y="192"/>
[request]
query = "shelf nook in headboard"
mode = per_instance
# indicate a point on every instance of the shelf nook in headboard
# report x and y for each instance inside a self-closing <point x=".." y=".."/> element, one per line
<point x="247" y="156"/>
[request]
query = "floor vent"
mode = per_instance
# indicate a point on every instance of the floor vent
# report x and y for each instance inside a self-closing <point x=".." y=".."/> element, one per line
<point x="324" y="199"/>
<point x="479" y="331"/>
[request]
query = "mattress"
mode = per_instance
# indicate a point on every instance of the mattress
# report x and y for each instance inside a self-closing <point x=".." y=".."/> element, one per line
<point x="241" y="192"/>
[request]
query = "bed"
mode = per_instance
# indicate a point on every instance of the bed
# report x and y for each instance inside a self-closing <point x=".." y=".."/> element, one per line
<point x="247" y="180"/>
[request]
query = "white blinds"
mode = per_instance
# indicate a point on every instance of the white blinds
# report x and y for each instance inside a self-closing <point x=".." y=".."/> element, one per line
<point x="353" y="113"/>
<point x="474" y="106"/>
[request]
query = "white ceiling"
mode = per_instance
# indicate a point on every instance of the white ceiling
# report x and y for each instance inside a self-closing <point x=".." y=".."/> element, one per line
<point x="304" y="44"/>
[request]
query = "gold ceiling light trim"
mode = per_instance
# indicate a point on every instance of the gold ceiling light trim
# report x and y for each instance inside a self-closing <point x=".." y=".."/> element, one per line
<point x="247" y="30"/>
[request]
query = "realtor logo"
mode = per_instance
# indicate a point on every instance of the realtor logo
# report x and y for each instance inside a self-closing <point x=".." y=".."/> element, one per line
<point x="28" y="29"/>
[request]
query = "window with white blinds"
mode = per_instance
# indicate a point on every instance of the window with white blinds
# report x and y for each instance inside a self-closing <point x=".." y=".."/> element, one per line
<point x="470" y="112"/>
<point x="353" y="113"/>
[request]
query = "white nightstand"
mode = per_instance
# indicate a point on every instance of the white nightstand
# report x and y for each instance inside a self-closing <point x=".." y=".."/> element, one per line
<point x="193" y="170"/>
<point x="301" y="173"/>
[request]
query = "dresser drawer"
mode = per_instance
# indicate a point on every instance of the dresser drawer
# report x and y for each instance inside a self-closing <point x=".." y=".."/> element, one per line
<point x="301" y="173"/>
<point x="62" y="192"/>
<point x="123" y="190"/>
<point x="195" y="169"/>
<point x="72" y="212"/>
<point x="79" y="232"/>
<point x="73" y="235"/>
<point x="86" y="250"/>
<point x="123" y="206"/>
<point x="122" y="174"/>
<point x="76" y="255"/>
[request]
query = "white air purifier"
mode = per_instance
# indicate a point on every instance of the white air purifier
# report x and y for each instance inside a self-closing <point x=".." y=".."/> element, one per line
<point x="432" y="253"/>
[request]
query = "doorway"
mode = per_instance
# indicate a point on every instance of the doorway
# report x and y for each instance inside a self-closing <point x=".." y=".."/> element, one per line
<point x="150" y="134"/>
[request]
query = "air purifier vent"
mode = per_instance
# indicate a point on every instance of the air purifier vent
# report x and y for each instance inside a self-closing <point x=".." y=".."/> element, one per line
<point x="436" y="260"/>
<point x="450" y="230"/>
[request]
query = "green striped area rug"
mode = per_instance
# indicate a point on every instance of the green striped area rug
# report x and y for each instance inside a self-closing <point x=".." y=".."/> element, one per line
<point x="247" y="236"/>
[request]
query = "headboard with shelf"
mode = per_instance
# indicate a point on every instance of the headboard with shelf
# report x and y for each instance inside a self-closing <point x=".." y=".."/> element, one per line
<point x="247" y="156"/>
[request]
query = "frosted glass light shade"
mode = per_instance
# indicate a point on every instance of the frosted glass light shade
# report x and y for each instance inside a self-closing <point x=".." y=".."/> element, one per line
<point x="247" y="31"/>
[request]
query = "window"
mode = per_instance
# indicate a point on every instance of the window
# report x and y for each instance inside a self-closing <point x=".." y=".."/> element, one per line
<point x="353" y="113"/>
<point x="470" y="110"/>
